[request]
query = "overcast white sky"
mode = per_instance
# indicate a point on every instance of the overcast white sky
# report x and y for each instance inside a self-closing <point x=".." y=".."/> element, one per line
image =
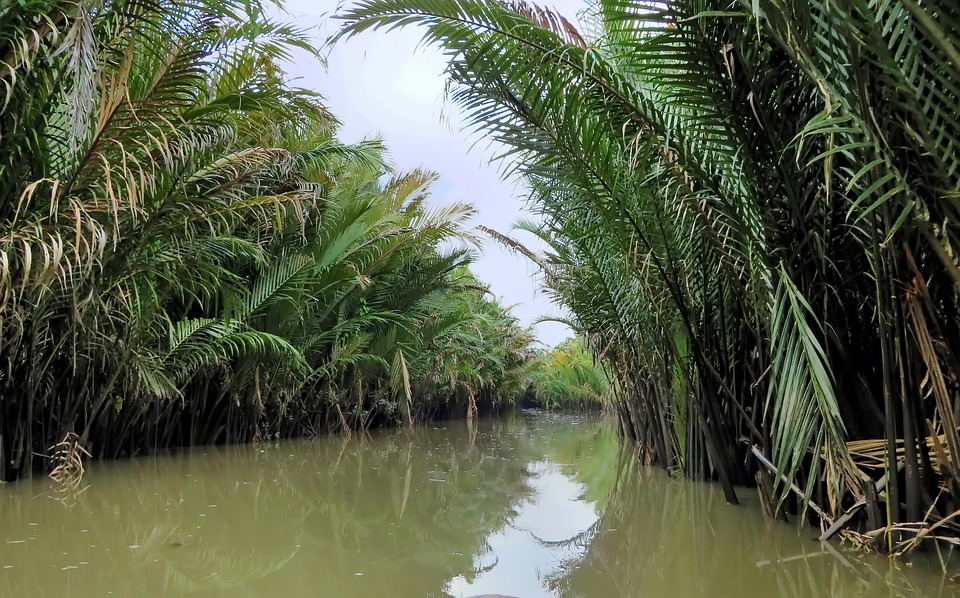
<point x="387" y="84"/>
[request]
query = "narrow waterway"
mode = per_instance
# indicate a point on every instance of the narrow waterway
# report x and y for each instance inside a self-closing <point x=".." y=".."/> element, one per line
<point x="530" y="506"/>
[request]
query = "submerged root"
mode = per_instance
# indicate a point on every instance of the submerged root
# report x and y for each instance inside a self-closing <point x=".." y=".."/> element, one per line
<point x="904" y="538"/>
<point x="68" y="459"/>
<point x="345" y="429"/>
<point x="258" y="441"/>
<point x="67" y="473"/>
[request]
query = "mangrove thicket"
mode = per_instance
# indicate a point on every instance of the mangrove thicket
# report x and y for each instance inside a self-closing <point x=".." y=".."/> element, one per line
<point x="189" y="255"/>
<point x="752" y="212"/>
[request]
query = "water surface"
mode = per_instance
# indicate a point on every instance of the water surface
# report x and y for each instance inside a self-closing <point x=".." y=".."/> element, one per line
<point x="532" y="506"/>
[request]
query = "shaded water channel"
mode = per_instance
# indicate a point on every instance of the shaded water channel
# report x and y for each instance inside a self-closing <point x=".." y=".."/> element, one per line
<point x="531" y="506"/>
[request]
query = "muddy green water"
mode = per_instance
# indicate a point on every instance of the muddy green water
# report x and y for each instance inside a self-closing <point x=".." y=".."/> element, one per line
<point x="529" y="506"/>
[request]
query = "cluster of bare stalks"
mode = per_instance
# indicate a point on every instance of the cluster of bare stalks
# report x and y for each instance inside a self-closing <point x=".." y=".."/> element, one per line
<point x="898" y="539"/>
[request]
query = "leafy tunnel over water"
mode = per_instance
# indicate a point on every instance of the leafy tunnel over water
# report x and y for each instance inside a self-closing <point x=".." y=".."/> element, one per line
<point x="531" y="506"/>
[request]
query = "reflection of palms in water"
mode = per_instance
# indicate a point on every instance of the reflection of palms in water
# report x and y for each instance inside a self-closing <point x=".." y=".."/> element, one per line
<point x="444" y="501"/>
<point x="661" y="536"/>
<point x="571" y="473"/>
<point x="414" y="508"/>
<point x="237" y="533"/>
<point x="402" y="510"/>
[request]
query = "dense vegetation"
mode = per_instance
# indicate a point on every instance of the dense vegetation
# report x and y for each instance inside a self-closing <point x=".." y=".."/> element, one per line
<point x="752" y="209"/>
<point x="188" y="255"/>
<point x="565" y="378"/>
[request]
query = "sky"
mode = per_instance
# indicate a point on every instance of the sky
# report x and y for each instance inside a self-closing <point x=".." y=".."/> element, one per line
<point x="390" y="85"/>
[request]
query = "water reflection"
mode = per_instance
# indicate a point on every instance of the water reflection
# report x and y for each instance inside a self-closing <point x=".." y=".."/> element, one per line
<point x="570" y="485"/>
<point x="529" y="506"/>
<point x="539" y="540"/>
<point x="661" y="536"/>
<point x="400" y="513"/>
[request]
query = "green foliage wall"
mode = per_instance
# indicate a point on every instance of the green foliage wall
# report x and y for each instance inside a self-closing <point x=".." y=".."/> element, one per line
<point x="751" y="208"/>
<point x="189" y="255"/>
